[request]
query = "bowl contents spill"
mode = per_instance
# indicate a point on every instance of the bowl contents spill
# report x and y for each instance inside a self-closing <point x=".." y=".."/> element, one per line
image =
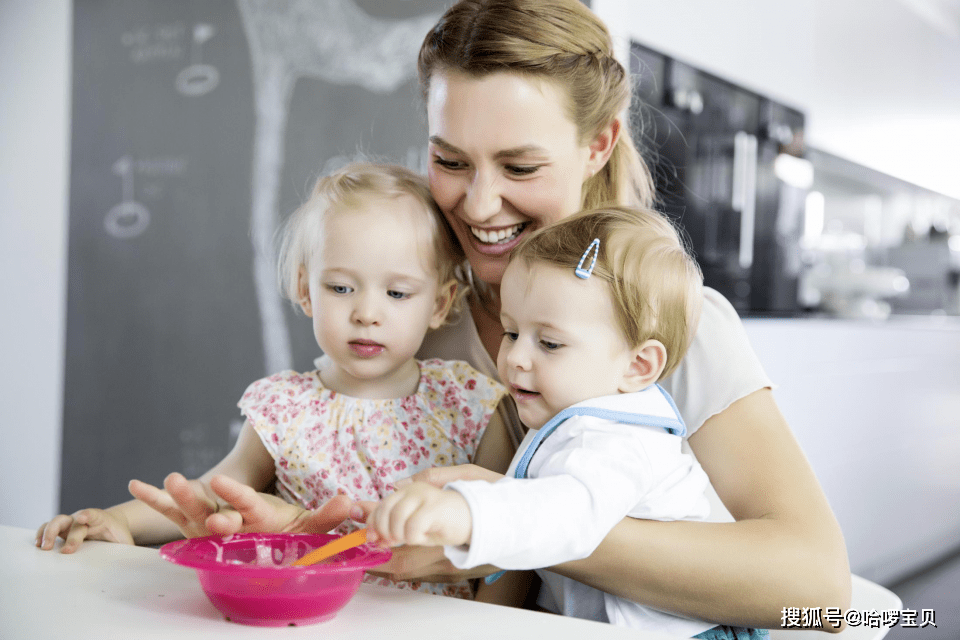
<point x="251" y="578"/>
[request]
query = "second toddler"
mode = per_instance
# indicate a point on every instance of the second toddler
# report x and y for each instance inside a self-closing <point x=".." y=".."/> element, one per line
<point x="596" y="309"/>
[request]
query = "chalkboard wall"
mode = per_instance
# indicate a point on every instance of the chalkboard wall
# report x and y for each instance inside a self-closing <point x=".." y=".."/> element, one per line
<point x="197" y="127"/>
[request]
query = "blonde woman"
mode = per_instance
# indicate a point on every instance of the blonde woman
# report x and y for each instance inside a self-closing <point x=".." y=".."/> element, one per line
<point x="525" y="107"/>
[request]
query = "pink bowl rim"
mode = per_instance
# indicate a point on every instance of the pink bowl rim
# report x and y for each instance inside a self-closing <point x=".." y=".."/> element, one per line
<point x="174" y="552"/>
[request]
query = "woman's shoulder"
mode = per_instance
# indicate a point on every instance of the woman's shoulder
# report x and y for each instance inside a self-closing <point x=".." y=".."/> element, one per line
<point x="719" y="367"/>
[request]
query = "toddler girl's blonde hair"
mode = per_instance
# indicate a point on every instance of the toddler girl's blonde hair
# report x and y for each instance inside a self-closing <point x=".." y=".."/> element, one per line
<point x="301" y="237"/>
<point x="655" y="285"/>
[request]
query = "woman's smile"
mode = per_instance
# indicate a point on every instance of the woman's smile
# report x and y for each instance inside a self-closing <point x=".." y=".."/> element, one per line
<point x="497" y="235"/>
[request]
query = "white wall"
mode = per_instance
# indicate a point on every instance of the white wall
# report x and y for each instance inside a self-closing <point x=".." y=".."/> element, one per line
<point x="34" y="125"/>
<point x="878" y="82"/>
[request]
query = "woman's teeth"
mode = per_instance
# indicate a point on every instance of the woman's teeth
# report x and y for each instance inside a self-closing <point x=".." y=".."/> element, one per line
<point x="497" y="237"/>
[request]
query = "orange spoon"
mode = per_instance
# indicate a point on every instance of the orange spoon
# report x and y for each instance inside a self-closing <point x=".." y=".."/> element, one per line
<point x="334" y="547"/>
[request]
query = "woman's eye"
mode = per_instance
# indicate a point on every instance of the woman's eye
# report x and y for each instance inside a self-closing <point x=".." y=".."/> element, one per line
<point x="451" y="165"/>
<point x="398" y="295"/>
<point x="522" y="170"/>
<point x="511" y="335"/>
<point x="339" y="288"/>
<point x="550" y="346"/>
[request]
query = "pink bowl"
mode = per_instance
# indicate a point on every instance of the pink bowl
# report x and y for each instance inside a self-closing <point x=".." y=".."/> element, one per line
<point x="249" y="576"/>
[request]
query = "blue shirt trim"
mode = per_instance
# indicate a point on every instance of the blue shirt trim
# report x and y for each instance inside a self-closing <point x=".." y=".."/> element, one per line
<point x="673" y="426"/>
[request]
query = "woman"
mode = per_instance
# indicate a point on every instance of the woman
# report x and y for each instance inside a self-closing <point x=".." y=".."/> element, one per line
<point x="524" y="101"/>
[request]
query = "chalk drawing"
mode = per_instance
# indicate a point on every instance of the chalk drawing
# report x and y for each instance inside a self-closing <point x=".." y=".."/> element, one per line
<point x="332" y="40"/>
<point x="198" y="78"/>
<point x="129" y="218"/>
<point x="161" y="43"/>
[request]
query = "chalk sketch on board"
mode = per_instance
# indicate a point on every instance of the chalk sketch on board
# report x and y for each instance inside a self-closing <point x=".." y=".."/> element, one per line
<point x="332" y="40"/>
<point x="129" y="218"/>
<point x="198" y="78"/>
<point x="162" y="42"/>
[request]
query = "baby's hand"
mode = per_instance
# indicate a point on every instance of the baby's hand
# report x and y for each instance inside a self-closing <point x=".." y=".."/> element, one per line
<point x="421" y="514"/>
<point x="86" y="524"/>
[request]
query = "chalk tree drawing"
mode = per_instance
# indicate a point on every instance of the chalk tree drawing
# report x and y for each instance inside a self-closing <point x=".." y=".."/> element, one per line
<point x="129" y="218"/>
<point x="332" y="40"/>
<point x="198" y="78"/>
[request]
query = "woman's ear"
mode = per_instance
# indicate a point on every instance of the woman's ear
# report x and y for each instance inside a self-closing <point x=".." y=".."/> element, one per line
<point x="445" y="296"/>
<point x="602" y="147"/>
<point x="303" y="292"/>
<point x="648" y="361"/>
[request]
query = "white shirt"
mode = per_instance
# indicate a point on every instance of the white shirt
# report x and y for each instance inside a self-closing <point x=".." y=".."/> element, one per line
<point x="593" y="464"/>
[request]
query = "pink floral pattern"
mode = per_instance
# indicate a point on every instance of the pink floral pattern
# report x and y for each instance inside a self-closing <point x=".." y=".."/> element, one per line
<point x="324" y="443"/>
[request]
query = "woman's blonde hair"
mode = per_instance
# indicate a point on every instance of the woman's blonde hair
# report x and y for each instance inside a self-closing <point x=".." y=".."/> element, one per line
<point x="301" y="236"/>
<point x="655" y="285"/>
<point x="555" y="40"/>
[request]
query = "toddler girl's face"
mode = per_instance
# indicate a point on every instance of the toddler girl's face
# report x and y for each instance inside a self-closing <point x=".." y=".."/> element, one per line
<point x="374" y="291"/>
<point x="561" y="342"/>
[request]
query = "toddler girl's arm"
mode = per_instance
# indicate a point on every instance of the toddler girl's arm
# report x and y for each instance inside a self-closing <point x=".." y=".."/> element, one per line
<point x="136" y="522"/>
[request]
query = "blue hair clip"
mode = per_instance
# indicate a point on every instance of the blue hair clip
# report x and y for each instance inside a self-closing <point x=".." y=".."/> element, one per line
<point x="586" y="273"/>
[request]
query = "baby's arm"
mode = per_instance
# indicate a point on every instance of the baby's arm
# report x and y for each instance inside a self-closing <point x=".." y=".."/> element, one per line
<point x="598" y="477"/>
<point x="136" y="522"/>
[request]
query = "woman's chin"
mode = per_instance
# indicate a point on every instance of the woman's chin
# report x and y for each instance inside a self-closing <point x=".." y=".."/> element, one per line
<point x="486" y="268"/>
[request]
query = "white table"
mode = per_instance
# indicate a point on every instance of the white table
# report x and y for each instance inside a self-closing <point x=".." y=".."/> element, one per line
<point x="106" y="591"/>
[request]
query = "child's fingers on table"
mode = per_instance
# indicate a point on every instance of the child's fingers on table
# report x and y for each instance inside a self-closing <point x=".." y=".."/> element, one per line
<point x="48" y="531"/>
<point x="75" y="536"/>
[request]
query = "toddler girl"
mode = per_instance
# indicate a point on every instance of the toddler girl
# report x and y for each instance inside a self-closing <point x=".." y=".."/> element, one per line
<point x="596" y="309"/>
<point x="370" y="260"/>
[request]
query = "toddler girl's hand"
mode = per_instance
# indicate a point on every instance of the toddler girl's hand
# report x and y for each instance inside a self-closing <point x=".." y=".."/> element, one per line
<point x="183" y="502"/>
<point x="239" y="508"/>
<point x="421" y="514"/>
<point x="86" y="524"/>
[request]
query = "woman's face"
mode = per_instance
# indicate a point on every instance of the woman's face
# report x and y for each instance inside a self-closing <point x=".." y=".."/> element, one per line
<point x="504" y="160"/>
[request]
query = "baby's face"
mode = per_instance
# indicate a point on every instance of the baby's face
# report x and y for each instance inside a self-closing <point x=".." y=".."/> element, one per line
<point x="372" y="294"/>
<point x="561" y="342"/>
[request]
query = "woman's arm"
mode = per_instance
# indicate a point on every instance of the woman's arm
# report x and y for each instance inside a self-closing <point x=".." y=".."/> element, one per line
<point x="785" y="550"/>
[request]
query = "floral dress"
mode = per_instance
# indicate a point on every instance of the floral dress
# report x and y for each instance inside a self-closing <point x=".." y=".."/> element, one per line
<point x="325" y="443"/>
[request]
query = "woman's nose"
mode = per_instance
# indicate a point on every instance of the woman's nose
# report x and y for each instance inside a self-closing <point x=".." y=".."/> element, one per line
<point x="483" y="198"/>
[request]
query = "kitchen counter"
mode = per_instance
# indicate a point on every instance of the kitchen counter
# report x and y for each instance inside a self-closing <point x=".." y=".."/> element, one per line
<point x="876" y="408"/>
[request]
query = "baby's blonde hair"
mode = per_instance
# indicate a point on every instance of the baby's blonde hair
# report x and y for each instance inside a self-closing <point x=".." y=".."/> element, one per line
<point x="301" y="236"/>
<point x="655" y="285"/>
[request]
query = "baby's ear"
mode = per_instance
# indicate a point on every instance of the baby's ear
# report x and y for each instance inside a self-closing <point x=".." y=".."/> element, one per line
<point x="445" y="295"/>
<point x="303" y="291"/>
<point x="648" y="361"/>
